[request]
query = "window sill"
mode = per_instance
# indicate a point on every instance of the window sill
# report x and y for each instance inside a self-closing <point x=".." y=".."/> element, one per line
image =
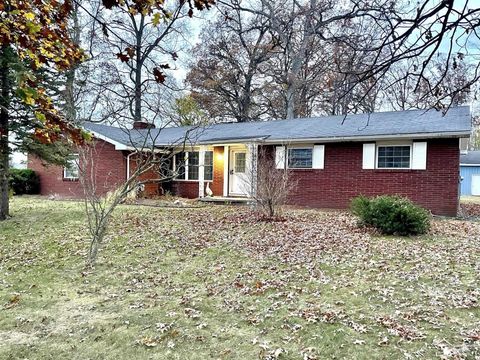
<point x="397" y="170"/>
<point x="70" y="179"/>
<point x="192" y="181"/>
<point x="303" y="169"/>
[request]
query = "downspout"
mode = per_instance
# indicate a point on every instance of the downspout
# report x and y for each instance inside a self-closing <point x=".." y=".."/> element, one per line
<point x="128" y="165"/>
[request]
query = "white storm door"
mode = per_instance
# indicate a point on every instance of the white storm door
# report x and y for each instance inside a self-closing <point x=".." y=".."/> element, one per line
<point x="238" y="172"/>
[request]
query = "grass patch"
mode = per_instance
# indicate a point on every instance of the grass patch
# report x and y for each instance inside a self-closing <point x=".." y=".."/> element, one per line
<point x="214" y="283"/>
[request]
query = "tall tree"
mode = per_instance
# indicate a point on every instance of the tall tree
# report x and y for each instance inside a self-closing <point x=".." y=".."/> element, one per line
<point x="224" y="74"/>
<point x="134" y="46"/>
<point x="33" y="37"/>
<point x="374" y="36"/>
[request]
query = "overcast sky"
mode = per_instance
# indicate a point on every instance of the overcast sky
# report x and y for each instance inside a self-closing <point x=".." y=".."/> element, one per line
<point x="197" y="24"/>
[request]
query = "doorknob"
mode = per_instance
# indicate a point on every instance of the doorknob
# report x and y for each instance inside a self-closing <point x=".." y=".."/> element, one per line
<point x="231" y="172"/>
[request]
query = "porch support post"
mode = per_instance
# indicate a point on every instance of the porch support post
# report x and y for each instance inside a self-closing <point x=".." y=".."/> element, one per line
<point x="252" y="161"/>
<point x="201" y="171"/>
<point x="226" y="157"/>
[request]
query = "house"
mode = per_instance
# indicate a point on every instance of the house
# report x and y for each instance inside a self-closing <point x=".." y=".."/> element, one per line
<point x="332" y="159"/>
<point x="470" y="173"/>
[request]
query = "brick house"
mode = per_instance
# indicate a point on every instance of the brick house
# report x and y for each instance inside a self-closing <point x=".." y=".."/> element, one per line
<point x="333" y="159"/>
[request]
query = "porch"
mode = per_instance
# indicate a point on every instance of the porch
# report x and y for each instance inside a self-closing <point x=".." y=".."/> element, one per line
<point x="216" y="173"/>
<point x="226" y="200"/>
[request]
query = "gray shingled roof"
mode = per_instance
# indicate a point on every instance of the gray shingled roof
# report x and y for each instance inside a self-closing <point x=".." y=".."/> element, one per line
<point x="470" y="158"/>
<point x="416" y="123"/>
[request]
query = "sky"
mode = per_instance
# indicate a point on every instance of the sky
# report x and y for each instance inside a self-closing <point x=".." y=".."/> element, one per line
<point x="197" y="24"/>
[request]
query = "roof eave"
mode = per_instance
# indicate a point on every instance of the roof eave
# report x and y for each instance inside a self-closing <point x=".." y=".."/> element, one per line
<point x="451" y="134"/>
<point x="118" y="145"/>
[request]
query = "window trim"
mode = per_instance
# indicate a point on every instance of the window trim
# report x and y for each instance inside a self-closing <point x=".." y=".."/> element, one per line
<point x="287" y="157"/>
<point x="75" y="157"/>
<point x="186" y="165"/>
<point x="396" y="144"/>
<point x="213" y="162"/>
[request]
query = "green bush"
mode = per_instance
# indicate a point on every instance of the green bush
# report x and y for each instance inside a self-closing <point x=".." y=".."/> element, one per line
<point x="391" y="214"/>
<point x="24" y="181"/>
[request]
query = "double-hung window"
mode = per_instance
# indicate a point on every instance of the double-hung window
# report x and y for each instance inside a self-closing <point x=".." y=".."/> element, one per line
<point x="208" y="165"/>
<point x="193" y="165"/>
<point x="300" y="158"/>
<point x="393" y="156"/>
<point x="187" y="165"/>
<point x="71" y="169"/>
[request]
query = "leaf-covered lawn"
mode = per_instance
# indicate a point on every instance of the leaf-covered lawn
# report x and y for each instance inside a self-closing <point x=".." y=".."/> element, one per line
<point x="217" y="283"/>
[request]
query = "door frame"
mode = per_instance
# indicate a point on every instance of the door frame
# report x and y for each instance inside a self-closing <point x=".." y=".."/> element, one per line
<point x="231" y="164"/>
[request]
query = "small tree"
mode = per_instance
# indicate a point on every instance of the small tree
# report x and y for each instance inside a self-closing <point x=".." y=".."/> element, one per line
<point x="139" y="33"/>
<point x="147" y="164"/>
<point x="269" y="186"/>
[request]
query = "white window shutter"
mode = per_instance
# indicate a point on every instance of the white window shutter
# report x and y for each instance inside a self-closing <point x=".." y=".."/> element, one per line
<point x="419" y="155"/>
<point x="280" y="157"/>
<point x="318" y="156"/>
<point x="368" y="156"/>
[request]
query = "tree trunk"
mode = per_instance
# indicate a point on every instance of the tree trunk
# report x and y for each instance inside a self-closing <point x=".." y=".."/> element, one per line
<point x="70" y="74"/>
<point x="290" y="99"/>
<point x="97" y="240"/>
<point x="137" y="115"/>
<point x="4" y="117"/>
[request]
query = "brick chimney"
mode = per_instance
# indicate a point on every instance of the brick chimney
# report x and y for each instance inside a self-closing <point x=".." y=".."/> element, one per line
<point x="143" y="125"/>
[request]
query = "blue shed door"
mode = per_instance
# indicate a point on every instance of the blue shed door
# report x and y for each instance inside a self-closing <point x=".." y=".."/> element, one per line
<point x="476" y="184"/>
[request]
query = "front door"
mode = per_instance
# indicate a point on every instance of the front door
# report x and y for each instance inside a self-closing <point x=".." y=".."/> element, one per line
<point x="238" y="172"/>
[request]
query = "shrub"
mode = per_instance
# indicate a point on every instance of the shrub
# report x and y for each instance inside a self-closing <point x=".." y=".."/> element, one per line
<point x="24" y="181"/>
<point x="391" y="214"/>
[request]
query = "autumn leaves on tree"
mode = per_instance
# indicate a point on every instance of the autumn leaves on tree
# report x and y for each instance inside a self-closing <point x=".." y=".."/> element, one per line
<point x="34" y="37"/>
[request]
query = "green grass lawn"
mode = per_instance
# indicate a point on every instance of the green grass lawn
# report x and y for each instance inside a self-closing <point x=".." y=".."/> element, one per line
<point x="217" y="283"/>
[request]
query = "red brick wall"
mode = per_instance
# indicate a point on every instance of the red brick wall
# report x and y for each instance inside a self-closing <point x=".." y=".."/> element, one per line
<point x="186" y="188"/>
<point x="151" y="188"/>
<point x="343" y="178"/>
<point x="110" y="169"/>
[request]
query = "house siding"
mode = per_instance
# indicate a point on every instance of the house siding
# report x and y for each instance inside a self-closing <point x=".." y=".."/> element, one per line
<point x="343" y="178"/>
<point x="110" y="167"/>
<point x="466" y="173"/>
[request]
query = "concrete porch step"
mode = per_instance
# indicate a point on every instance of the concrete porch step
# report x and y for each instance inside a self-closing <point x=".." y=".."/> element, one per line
<point x="226" y="200"/>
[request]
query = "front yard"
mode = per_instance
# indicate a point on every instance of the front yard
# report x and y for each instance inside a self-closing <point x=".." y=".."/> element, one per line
<point x="217" y="283"/>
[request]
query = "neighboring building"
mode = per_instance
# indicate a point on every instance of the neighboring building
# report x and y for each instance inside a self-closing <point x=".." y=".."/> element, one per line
<point x="470" y="173"/>
<point x="332" y="159"/>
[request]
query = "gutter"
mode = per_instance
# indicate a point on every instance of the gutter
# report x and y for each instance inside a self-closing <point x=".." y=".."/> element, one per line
<point x="268" y="140"/>
<point x="454" y="134"/>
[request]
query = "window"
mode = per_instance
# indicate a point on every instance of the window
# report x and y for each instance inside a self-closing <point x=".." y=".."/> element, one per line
<point x="393" y="157"/>
<point x="240" y="162"/>
<point x="187" y="165"/>
<point x="193" y="162"/>
<point x="180" y="165"/>
<point x="209" y="165"/>
<point x="70" y="170"/>
<point x="300" y="158"/>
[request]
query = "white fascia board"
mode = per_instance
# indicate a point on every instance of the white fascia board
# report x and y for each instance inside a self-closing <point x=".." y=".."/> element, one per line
<point x="118" y="146"/>
<point x="454" y="134"/>
<point x="233" y="141"/>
